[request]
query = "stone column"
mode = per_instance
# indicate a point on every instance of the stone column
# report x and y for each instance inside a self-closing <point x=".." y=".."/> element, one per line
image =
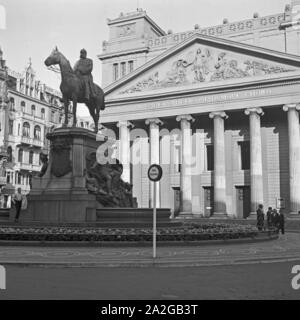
<point x="294" y="156"/>
<point x="219" y="164"/>
<point x="256" y="172"/>
<point x="186" y="157"/>
<point x="154" y="124"/>
<point x="124" y="148"/>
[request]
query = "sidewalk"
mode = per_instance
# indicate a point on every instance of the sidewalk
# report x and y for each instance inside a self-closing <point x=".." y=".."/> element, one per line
<point x="286" y="248"/>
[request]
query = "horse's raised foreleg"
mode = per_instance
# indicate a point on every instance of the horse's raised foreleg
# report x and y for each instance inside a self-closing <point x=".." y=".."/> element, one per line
<point x="66" y="106"/>
<point x="74" y="111"/>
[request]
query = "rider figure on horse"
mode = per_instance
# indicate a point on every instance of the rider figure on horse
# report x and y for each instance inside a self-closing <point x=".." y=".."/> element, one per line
<point x="83" y="69"/>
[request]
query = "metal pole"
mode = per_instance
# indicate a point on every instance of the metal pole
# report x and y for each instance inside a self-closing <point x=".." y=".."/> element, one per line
<point x="154" y="222"/>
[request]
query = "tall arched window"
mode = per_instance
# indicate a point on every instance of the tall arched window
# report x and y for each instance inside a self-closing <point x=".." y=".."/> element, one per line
<point x="43" y="113"/>
<point x="9" y="153"/>
<point x="37" y="132"/>
<point x="26" y="129"/>
<point x="33" y="110"/>
<point x="12" y="104"/>
<point x="20" y="155"/>
<point x="30" y="157"/>
<point x="23" y="106"/>
<point x="10" y="126"/>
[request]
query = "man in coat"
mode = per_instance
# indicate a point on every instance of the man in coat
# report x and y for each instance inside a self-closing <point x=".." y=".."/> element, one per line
<point x="260" y="217"/>
<point x="83" y="69"/>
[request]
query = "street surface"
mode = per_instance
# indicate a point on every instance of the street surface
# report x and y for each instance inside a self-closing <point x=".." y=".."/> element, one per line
<point x="254" y="281"/>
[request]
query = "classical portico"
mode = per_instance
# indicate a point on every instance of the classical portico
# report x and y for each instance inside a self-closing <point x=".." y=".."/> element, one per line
<point x="294" y="156"/>
<point x="256" y="171"/>
<point x="154" y="124"/>
<point x="186" y="170"/>
<point x="237" y="148"/>
<point x="124" y="148"/>
<point x="219" y="163"/>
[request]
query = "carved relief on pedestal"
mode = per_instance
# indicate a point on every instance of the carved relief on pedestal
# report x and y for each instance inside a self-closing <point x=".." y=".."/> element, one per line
<point x="61" y="161"/>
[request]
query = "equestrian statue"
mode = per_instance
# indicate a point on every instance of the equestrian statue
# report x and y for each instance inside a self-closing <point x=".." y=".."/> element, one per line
<point x="77" y="85"/>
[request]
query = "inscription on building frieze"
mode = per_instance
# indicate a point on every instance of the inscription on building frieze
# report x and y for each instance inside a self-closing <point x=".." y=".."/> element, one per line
<point x="218" y="98"/>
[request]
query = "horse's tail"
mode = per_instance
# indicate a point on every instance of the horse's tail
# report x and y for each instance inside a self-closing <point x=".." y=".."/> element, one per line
<point x="102" y="101"/>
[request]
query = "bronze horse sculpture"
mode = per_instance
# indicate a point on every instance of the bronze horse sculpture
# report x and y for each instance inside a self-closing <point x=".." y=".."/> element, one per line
<point x="72" y="89"/>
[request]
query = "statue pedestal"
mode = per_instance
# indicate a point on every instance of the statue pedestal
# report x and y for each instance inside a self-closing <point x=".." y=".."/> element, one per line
<point x="61" y="194"/>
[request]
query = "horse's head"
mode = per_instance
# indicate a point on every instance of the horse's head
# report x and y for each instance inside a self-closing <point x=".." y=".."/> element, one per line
<point x="53" y="59"/>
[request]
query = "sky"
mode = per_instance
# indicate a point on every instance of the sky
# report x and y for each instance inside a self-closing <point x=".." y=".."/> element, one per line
<point x="34" y="27"/>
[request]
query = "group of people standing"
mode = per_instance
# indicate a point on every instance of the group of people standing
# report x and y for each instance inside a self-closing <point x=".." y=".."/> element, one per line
<point x="274" y="219"/>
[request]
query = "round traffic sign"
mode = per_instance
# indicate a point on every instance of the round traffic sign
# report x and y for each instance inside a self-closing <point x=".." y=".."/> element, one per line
<point x="155" y="172"/>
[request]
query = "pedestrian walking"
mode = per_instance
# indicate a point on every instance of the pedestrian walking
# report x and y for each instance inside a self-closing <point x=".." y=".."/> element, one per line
<point x="260" y="217"/>
<point x="275" y="219"/>
<point x="281" y="222"/>
<point x="20" y="202"/>
<point x="269" y="218"/>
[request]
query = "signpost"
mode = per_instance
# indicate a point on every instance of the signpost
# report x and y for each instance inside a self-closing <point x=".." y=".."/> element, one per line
<point x="154" y="175"/>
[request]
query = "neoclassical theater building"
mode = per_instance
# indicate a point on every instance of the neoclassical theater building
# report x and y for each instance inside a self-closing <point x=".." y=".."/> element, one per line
<point x="217" y="107"/>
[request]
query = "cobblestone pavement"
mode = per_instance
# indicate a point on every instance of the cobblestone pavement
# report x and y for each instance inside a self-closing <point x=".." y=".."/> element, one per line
<point x="286" y="248"/>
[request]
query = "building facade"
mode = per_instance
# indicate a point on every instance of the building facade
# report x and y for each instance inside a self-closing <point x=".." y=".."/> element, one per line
<point x="29" y="110"/>
<point x="217" y="107"/>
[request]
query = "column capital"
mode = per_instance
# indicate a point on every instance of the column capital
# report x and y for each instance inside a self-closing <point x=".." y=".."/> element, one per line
<point x="258" y="111"/>
<point x="220" y="114"/>
<point x="289" y="106"/>
<point x="153" y="120"/>
<point x="125" y="123"/>
<point x="187" y="117"/>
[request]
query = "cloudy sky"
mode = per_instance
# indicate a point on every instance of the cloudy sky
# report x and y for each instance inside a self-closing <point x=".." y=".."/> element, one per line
<point x="34" y="27"/>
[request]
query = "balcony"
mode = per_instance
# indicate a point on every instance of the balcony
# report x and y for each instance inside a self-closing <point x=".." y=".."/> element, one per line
<point x="30" y="142"/>
<point x="27" y="167"/>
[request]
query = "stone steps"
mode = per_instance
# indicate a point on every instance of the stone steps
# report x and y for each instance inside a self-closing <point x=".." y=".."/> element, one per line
<point x="111" y="218"/>
<point x="132" y="214"/>
<point x="4" y="213"/>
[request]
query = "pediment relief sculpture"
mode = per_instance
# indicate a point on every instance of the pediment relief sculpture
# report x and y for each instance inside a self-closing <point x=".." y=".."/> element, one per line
<point x="205" y="65"/>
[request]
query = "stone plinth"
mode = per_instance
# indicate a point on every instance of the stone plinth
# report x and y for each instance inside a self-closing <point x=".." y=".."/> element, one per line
<point x="60" y="195"/>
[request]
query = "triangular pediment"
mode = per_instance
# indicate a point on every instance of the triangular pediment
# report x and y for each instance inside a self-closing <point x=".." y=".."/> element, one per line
<point x="203" y="61"/>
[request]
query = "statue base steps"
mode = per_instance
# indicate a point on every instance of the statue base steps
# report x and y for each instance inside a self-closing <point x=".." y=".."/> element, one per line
<point x="75" y="212"/>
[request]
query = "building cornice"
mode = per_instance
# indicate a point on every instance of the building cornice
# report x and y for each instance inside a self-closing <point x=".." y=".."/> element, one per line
<point x="135" y="16"/>
<point x="35" y="100"/>
<point x="225" y="44"/>
<point x="109" y="55"/>
<point x="207" y="90"/>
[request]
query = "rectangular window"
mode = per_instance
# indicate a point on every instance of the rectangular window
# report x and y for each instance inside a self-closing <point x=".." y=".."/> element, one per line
<point x="177" y="159"/>
<point x="123" y="69"/>
<point x="209" y="157"/>
<point x="10" y="126"/>
<point x="115" y="71"/>
<point x="19" y="178"/>
<point x="31" y="157"/>
<point x="244" y="147"/>
<point x="9" y="177"/>
<point x="130" y="66"/>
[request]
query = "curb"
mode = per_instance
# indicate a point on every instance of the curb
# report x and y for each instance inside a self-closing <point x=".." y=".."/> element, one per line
<point x="150" y="263"/>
